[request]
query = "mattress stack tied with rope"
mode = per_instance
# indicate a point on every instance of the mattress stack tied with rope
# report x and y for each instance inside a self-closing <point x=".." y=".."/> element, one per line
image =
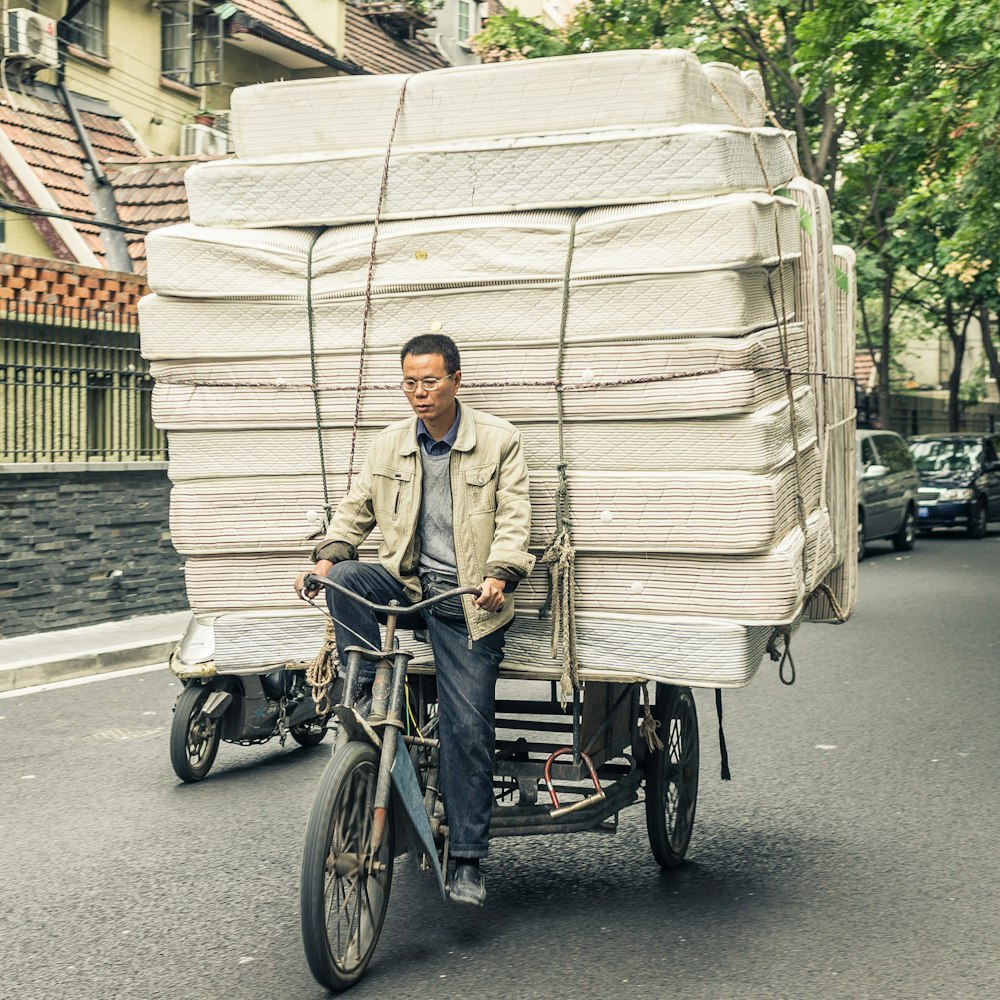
<point x="839" y="591"/>
<point x="621" y="232"/>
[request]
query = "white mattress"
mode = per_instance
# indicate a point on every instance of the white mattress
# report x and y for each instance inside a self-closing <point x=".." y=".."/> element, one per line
<point x="737" y="96"/>
<point x="841" y="487"/>
<point x="755" y="442"/>
<point x="530" y="97"/>
<point x="707" y="512"/>
<point x="700" y="652"/>
<point x="698" y="378"/>
<point x="749" y="590"/>
<point x="708" y="303"/>
<point x="727" y="232"/>
<point x="499" y="175"/>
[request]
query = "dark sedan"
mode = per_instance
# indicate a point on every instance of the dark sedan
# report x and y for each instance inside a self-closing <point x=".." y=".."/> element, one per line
<point x="959" y="481"/>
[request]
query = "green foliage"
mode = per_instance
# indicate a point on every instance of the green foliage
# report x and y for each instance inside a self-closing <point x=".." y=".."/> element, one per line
<point x="513" y="36"/>
<point x="896" y="109"/>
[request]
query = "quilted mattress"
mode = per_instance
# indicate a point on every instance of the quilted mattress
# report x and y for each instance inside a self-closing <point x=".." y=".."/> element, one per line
<point x="565" y="94"/>
<point x="747" y="589"/>
<point x="728" y="232"/>
<point x="841" y="485"/>
<point x="500" y="175"/>
<point x="709" y="303"/>
<point x="755" y="442"/>
<point x="707" y="512"/>
<point x="698" y="378"/>
<point x="703" y="652"/>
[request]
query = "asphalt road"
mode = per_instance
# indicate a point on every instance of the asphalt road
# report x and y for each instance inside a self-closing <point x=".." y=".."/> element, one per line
<point x="853" y="855"/>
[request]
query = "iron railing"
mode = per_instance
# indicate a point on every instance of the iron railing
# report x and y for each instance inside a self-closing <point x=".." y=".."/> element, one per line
<point x="73" y="387"/>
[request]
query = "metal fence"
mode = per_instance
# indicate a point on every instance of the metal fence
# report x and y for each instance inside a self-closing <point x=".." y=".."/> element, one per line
<point x="914" y="414"/>
<point x="73" y="387"/>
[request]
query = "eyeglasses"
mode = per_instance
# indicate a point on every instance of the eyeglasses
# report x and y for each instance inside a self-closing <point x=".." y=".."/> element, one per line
<point x="409" y="385"/>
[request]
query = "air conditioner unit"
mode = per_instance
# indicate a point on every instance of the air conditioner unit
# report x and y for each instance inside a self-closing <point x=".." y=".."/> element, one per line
<point x="30" y="37"/>
<point x="200" y="140"/>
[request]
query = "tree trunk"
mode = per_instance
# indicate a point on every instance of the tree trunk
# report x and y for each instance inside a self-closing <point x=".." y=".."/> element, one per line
<point x="988" y="344"/>
<point x="886" y="349"/>
<point x="957" y="338"/>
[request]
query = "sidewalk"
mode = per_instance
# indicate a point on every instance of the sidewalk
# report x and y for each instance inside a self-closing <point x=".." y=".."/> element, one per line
<point x="55" y="656"/>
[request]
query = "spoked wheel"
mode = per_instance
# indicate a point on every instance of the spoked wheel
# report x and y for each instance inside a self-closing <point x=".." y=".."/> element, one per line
<point x="194" y="741"/>
<point x="344" y="890"/>
<point x="672" y="776"/>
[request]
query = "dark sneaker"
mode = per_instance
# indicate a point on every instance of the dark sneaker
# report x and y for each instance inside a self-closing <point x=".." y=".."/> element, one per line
<point x="468" y="886"/>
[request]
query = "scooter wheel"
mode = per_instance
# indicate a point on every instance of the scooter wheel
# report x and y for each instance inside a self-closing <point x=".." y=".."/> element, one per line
<point x="194" y="741"/>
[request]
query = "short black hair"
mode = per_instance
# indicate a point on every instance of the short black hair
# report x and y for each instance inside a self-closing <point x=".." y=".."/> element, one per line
<point x="433" y="343"/>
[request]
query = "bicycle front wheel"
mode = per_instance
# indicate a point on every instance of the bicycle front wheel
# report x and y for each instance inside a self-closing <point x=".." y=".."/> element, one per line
<point x="344" y="889"/>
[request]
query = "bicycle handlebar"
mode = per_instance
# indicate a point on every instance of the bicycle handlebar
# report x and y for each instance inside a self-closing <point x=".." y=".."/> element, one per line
<point x="312" y="580"/>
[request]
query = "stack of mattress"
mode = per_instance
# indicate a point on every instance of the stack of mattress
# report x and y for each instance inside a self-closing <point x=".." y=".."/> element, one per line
<point x="703" y="447"/>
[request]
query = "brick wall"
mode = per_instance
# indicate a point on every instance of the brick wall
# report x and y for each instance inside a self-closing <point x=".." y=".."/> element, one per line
<point x="64" y="530"/>
<point x="28" y="282"/>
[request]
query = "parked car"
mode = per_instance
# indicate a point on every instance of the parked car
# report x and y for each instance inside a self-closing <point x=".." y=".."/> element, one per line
<point x="887" y="490"/>
<point x="959" y="481"/>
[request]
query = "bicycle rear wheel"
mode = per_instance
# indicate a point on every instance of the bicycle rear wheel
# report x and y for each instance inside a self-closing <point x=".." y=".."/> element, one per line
<point x="344" y="890"/>
<point x="672" y="776"/>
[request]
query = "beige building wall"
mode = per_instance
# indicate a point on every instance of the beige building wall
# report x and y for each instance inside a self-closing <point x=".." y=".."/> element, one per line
<point x="19" y="234"/>
<point x="129" y="76"/>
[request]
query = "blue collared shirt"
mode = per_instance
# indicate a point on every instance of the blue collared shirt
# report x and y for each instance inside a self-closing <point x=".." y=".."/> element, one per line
<point x="443" y="446"/>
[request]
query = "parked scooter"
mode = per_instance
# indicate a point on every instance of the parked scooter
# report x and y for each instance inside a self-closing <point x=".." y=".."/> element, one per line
<point x="246" y="709"/>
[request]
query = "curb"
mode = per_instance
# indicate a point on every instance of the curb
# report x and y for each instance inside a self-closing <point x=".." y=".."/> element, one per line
<point x="65" y="654"/>
<point x="32" y="673"/>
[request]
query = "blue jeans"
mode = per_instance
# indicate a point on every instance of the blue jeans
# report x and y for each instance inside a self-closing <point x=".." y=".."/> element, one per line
<point x="466" y="683"/>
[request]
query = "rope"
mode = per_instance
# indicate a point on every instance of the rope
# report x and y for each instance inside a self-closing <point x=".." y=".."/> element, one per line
<point x="322" y="669"/>
<point x="559" y="555"/>
<point x="370" y="279"/>
<point x="648" y="725"/>
<point x="724" y="773"/>
<point x="325" y="665"/>
<point x="783" y="657"/>
<point x="824" y="590"/>
<point x="781" y="321"/>
<point x="310" y="313"/>
<point x="541" y="383"/>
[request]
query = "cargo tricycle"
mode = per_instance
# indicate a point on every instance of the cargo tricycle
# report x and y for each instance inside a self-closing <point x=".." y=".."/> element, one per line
<point x="556" y="770"/>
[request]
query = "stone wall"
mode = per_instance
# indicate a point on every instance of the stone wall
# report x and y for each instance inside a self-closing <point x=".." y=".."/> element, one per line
<point x="85" y="543"/>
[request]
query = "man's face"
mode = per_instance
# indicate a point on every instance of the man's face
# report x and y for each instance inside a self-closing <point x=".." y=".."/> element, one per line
<point x="431" y="406"/>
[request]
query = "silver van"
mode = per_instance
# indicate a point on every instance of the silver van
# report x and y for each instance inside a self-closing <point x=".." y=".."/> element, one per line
<point x="887" y="490"/>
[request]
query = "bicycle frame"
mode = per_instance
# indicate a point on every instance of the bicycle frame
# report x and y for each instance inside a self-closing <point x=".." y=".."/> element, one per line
<point x="388" y="699"/>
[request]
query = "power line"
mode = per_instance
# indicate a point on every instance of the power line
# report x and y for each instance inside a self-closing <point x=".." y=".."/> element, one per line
<point x="14" y="206"/>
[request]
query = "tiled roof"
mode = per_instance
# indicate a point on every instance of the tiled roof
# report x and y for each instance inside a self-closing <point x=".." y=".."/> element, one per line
<point x="371" y="48"/>
<point x="284" y="21"/>
<point x="150" y="193"/>
<point x="865" y="369"/>
<point x="367" y="45"/>
<point x="32" y="285"/>
<point x="44" y="136"/>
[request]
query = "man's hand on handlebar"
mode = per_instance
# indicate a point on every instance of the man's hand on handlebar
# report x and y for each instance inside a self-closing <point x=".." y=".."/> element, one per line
<point x="491" y="598"/>
<point x="322" y="568"/>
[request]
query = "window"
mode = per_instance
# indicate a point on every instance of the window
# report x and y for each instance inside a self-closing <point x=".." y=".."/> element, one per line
<point x="190" y="43"/>
<point x="86" y="28"/>
<point x="893" y="452"/>
<point x="466" y="19"/>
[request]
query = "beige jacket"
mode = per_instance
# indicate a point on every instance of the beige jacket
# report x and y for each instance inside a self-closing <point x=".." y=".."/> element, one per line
<point x="491" y="509"/>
